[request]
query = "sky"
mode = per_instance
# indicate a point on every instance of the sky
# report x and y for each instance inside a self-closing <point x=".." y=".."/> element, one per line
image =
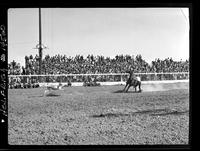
<point x="151" y="32"/>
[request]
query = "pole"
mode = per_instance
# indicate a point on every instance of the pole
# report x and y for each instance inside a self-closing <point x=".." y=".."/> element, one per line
<point x="40" y="43"/>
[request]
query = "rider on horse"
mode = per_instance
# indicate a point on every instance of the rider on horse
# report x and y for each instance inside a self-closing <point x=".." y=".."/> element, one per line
<point x="132" y="76"/>
<point x="133" y="80"/>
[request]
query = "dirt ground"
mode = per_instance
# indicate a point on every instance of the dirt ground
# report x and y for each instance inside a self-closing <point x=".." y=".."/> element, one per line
<point x="99" y="116"/>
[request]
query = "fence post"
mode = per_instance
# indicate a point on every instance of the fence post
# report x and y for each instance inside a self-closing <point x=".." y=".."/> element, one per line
<point x="121" y="78"/>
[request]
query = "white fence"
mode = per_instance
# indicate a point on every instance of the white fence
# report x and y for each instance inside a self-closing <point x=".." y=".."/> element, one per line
<point x="104" y="79"/>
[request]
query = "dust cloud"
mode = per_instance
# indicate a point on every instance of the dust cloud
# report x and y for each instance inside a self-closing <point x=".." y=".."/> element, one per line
<point x="165" y="86"/>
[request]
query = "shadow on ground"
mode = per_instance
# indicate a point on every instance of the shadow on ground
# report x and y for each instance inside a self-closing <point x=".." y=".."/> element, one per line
<point x="155" y="112"/>
<point x="52" y="95"/>
<point x="35" y="96"/>
<point x="48" y="95"/>
<point x="121" y="91"/>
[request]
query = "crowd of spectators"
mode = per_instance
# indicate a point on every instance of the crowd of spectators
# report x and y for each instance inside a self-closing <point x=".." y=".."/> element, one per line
<point x="61" y="64"/>
<point x="14" y="68"/>
<point x="25" y="82"/>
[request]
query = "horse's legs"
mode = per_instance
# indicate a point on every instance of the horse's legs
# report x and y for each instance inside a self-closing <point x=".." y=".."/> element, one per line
<point x="134" y="87"/>
<point x="135" y="84"/>
<point x="128" y="87"/>
<point x="139" y="86"/>
<point x="125" y="87"/>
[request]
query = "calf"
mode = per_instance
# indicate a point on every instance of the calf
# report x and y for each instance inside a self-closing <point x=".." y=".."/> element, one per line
<point x="53" y="88"/>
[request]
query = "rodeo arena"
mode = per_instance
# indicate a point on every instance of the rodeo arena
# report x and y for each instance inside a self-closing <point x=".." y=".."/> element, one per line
<point x="79" y="100"/>
<point x="98" y="100"/>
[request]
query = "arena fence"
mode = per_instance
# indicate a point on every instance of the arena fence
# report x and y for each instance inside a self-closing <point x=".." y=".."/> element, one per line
<point x="103" y="79"/>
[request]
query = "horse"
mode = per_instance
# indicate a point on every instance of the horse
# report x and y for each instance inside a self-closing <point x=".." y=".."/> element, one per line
<point x="133" y="81"/>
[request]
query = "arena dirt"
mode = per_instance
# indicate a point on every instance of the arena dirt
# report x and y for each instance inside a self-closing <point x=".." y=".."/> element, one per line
<point x="99" y="116"/>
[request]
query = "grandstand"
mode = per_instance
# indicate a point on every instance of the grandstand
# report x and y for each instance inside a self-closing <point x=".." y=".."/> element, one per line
<point x="76" y="70"/>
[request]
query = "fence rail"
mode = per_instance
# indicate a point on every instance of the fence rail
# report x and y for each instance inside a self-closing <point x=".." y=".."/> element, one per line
<point x="111" y="77"/>
<point x="100" y="74"/>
